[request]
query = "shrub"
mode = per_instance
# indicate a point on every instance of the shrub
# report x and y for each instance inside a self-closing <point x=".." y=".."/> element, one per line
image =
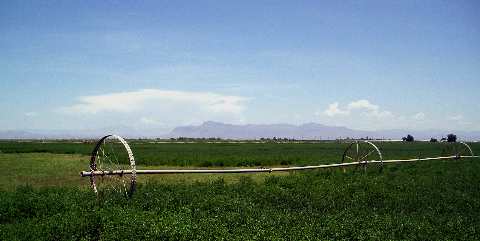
<point x="451" y="138"/>
<point x="409" y="138"/>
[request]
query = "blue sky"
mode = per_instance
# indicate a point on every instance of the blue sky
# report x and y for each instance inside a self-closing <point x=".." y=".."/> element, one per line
<point x="159" y="64"/>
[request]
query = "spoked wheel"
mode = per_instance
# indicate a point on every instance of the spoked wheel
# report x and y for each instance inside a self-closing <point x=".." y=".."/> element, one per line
<point x="457" y="149"/>
<point x="363" y="152"/>
<point x="112" y="153"/>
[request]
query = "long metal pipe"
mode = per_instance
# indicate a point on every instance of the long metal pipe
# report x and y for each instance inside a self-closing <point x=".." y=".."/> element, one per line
<point x="252" y="170"/>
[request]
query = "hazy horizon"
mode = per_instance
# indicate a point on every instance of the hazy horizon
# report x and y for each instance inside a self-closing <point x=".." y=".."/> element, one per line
<point x="168" y="129"/>
<point x="211" y="129"/>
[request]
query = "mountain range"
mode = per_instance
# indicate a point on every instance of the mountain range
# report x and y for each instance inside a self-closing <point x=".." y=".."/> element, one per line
<point x="248" y="131"/>
<point x="305" y="131"/>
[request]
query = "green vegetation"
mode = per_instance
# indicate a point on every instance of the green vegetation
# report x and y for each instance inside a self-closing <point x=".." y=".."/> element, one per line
<point x="234" y="154"/>
<point x="43" y="197"/>
<point x="41" y="169"/>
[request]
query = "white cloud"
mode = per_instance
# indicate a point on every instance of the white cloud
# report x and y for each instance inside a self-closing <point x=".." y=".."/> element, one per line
<point x="369" y="109"/>
<point x="365" y="115"/>
<point x="360" y="106"/>
<point x="333" y="110"/>
<point x="151" y="121"/>
<point x="457" y="117"/>
<point x="155" y="108"/>
<point x="127" y="102"/>
<point x="31" y="114"/>
<point x="420" y="116"/>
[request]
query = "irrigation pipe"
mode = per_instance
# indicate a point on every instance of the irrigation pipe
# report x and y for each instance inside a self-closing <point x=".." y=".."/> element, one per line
<point x="106" y="170"/>
<point x="252" y="170"/>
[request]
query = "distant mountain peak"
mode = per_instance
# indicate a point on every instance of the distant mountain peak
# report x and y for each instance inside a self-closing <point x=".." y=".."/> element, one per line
<point x="309" y="130"/>
<point x="213" y="123"/>
<point x="256" y="131"/>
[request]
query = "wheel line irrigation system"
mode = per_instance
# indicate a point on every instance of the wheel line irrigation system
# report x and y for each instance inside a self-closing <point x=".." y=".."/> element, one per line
<point x="108" y="173"/>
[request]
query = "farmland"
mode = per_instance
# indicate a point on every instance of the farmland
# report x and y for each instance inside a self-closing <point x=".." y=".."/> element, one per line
<point x="231" y="153"/>
<point x="43" y="197"/>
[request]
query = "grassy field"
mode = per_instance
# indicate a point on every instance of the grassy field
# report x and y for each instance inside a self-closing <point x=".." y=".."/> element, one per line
<point x="233" y="154"/>
<point x="42" y="195"/>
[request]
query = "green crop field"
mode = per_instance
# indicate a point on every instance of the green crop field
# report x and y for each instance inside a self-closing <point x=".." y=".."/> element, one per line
<point x="232" y="154"/>
<point x="42" y="195"/>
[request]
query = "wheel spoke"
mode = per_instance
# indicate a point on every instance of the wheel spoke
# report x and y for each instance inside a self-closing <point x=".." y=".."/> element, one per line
<point x="115" y="161"/>
<point x="357" y="152"/>
<point x="368" y="154"/>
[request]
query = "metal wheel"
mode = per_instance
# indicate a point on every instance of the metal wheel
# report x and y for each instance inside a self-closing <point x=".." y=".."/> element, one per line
<point x="113" y="153"/>
<point x="363" y="152"/>
<point x="457" y="149"/>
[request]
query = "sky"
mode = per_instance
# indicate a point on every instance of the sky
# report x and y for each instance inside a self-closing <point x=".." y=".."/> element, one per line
<point x="367" y="65"/>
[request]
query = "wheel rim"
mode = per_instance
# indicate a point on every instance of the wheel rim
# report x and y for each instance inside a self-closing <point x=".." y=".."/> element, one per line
<point x="362" y="152"/>
<point x="457" y="149"/>
<point x="112" y="152"/>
